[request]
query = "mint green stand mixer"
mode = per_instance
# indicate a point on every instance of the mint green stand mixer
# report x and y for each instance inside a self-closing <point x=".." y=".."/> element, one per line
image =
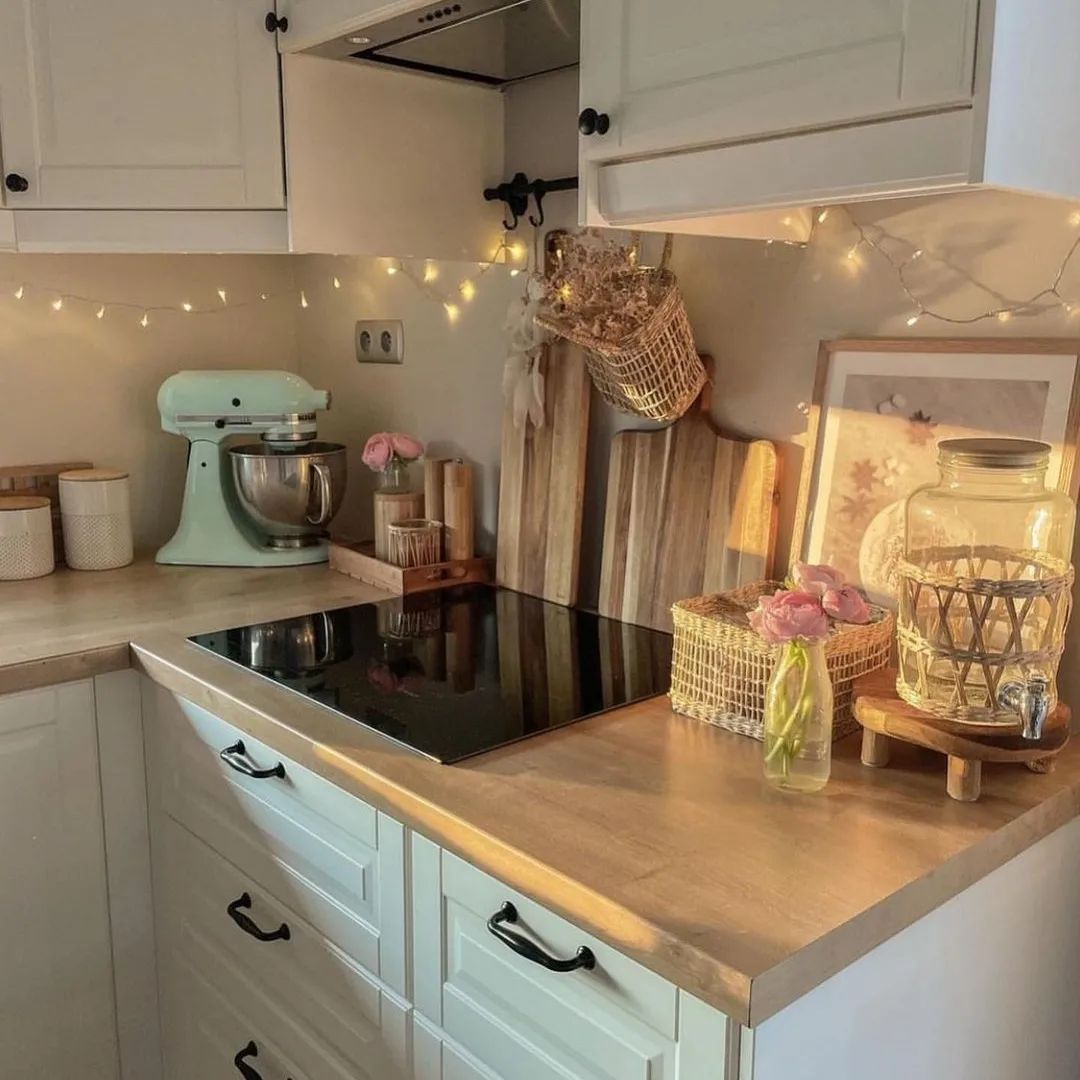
<point x="266" y="503"/>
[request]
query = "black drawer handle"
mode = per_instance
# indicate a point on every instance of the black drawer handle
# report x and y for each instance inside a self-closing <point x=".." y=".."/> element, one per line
<point x="242" y="1067"/>
<point x="583" y="958"/>
<point x="249" y="926"/>
<point x="235" y="757"/>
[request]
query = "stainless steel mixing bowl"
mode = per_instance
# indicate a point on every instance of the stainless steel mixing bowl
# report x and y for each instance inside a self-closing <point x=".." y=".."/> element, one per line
<point x="290" y="494"/>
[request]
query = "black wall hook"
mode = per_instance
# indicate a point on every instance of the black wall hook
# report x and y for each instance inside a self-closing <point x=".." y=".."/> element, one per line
<point x="517" y="191"/>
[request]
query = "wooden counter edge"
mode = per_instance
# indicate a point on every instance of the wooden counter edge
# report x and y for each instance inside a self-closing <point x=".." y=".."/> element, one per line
<point x="68" y="667"/>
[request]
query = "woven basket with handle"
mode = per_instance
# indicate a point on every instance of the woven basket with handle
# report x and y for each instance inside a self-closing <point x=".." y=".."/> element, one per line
<point x="653" y="371"/>
<point x="720" y="667"/>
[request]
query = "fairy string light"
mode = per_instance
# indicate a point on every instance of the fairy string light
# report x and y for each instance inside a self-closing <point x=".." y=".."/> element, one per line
<point x="881" y="242"/>
<point x="143" y="315"/>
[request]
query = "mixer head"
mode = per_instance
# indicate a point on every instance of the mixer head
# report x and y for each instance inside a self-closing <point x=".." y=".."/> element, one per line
<point x="211" y="405"/>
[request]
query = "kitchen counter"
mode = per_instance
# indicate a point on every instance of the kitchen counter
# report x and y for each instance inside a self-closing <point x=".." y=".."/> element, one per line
<point x="650" y="830"/>
<point x="74" y="624"/>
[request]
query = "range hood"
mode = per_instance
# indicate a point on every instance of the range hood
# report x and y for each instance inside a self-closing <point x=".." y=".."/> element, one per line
<point x="493" y="42"/>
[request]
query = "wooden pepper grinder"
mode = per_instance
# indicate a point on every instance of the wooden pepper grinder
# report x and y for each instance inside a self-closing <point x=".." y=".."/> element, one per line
<point x="458" y="509"/>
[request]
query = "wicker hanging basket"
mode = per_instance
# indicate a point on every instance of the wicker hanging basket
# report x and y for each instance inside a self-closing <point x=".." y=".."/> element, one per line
<point x="652" y="370"/>
<point x="721" y="668"/>
<point x="970" y="620"/>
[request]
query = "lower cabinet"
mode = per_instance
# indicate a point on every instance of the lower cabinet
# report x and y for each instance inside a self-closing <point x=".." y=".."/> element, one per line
<point x="57" y="1003"/>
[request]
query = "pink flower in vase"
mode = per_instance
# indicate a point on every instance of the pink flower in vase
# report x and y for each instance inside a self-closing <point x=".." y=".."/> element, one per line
<point x="789" y="614"/>
<point x="846" y="604"/>
<point x="405" y="446"/>
<point x="816" y="578"/>
<point x="378" y="451"/>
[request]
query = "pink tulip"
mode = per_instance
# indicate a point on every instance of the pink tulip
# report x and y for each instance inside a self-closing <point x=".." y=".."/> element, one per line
<point x="405" y="446"/>
<point x="787" y="615"/>
<point x="377" y="452"/>
<point x="816" y="578"/>
<point x="846" y="604"/>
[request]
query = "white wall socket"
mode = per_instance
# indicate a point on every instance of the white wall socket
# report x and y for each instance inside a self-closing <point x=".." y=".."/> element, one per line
<point x="380" y="341"/>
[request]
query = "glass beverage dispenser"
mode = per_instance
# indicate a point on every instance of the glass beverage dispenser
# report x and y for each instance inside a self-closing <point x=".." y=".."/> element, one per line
<point x="986" y="586"/>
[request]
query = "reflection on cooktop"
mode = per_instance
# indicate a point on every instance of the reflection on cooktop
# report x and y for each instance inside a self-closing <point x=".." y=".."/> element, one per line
<point x="454" y="672"/>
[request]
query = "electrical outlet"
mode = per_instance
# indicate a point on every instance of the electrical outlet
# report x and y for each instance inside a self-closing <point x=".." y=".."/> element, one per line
<point x="380" y="341"/>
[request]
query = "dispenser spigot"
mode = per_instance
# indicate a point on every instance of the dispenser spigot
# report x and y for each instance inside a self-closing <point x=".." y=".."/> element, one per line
<point x="1030" y="701"/>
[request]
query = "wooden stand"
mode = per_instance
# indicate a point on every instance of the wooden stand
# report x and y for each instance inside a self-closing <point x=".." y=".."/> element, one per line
<point x="885" y="717"/>
<point x="359" y="560"/>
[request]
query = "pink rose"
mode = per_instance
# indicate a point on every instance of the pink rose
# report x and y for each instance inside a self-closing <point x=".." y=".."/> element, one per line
<point x="817" y="578"/>
<point x="405" y="446"/>
<point x="787" y="615"/>
<point x="846" y="604"/>
<point x="378" y="451"/>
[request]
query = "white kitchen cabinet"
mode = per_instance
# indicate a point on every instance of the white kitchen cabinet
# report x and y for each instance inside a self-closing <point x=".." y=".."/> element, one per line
<point x="57" y="1006"/>
<point x="139" y="104"/>
<point x="746" y="105"/>
<point x="312" y="22"/>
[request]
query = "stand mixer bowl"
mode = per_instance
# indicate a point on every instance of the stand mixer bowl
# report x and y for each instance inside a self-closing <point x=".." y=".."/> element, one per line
<point x="289" y="493"/>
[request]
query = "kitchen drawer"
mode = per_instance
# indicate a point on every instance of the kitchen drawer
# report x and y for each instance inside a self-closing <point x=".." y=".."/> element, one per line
<point x="319" y="851"/>
<point x="436" y="1058"/>
<point x="313" y="981"/>
<point x="617" y="1021"/>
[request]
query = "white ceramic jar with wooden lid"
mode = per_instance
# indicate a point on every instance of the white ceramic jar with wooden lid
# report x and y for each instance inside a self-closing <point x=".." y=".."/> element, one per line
<point x="95" y="509"/>
<point x="26" y="537"/>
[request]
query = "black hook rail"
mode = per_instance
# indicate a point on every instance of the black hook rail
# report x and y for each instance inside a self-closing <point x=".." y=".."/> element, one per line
<point x="517" y="192"/>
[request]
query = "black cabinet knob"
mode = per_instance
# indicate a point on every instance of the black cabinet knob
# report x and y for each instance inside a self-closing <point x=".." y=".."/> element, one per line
<point x="273" y="24"/>
<point x="590" y="122"/>
<point x="16" y="183"/>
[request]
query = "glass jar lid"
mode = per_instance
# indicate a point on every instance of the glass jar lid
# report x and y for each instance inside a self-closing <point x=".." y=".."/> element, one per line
<point x="994" y="453"/>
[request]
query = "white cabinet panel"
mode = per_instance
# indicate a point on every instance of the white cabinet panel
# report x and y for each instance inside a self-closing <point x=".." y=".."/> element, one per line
<point x="695" y="72"/>
<point x="57" y="1013"/>
<point x="137" y="104"/>
<point x="312" y="22"/>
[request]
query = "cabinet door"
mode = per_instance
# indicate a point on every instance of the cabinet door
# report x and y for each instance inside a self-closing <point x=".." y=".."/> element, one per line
<point x="57" y="1014"/>
<point x="693" y="72"/>
<point x="140" y="105"/>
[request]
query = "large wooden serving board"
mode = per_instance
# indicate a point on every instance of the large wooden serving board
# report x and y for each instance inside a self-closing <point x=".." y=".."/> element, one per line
<point x="689" y="512"/>
<point x="542" y="482"/>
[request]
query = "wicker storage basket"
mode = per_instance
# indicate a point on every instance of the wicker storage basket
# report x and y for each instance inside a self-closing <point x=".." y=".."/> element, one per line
<point x="970" y="621"/>
<point x="653" y="371"/>
<point x="720" y="667"/>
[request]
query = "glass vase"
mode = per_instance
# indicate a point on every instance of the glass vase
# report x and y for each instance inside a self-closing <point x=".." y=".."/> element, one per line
<point x="394" y="479"/>
<point x="798" y="718"/>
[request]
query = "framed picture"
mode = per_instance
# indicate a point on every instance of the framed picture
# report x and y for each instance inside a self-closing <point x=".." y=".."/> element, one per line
<point x="880" y="407"/>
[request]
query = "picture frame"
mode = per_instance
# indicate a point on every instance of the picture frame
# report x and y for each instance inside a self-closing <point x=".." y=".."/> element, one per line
<point x="879" y="407"/>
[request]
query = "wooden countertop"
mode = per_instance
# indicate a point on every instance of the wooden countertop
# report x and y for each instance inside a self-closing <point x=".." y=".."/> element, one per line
<point x="73" y="624"/>
<point x="652" y="831"/>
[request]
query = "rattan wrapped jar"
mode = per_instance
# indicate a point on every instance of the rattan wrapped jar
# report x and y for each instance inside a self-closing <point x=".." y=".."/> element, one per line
<point x="95" y="509"/>
<point x="986" y="581"/>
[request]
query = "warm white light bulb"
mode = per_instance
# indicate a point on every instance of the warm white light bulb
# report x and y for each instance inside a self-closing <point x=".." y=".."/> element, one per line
<point x="337" y="282"/>
<point x="452" y="311"/>
<point x="303" y="299"/>
<point x="852" y="252"/>
<point x="431" y="272"/>
<point x="100" y="313"/>
<point x="1074" y="219"/>
<point x="20" y="292"/>
<point x="391" y="269"/>
<point x="822" y="216"/>
<point x="144" y="322"/>
<point x="223" y="295"/>
<point x="916" y="254"/>
<point x="1004" y="316"/>
<point x="913" y="319"/>
<point x="186" y="306"/>
<point x="515" y="272"/>
<point x="58" y="303"/>
<point x="467" y="290"/>
<point x="264" y="296"/>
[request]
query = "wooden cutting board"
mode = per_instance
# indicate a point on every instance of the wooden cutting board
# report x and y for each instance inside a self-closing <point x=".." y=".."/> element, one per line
<point x="542" y="482"/>
<point x="689" y="512"/>
<point x="41" y="480"/>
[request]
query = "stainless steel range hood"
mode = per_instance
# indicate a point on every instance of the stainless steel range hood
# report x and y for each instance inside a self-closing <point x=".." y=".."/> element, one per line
<point x="493" y="42"/>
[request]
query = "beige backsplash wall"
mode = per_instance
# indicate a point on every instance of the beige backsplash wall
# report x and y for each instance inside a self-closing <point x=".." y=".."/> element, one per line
<point x="76" y="387"/>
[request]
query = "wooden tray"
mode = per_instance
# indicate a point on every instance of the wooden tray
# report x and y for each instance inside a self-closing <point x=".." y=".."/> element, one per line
<point x="885" y="717"/>
<point x="357" y="559"/>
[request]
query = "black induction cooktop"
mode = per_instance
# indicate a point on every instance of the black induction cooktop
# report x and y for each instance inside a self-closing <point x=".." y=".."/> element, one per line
<point x="455" y="672"/>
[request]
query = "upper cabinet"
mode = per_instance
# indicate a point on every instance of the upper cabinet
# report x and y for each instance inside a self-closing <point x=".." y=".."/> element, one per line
<point x="709" y="109"/>
<point x="686" y="74"/>
<point x="134" y="105"/>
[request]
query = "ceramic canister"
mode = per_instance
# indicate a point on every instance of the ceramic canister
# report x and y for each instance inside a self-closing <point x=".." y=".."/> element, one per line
<point x="26" y="537"/>
<point x="95" y="508"/>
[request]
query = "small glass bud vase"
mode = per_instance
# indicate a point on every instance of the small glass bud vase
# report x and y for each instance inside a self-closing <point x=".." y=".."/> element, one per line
<point x="798" y="718"/>
<point x="394" y="479"/>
